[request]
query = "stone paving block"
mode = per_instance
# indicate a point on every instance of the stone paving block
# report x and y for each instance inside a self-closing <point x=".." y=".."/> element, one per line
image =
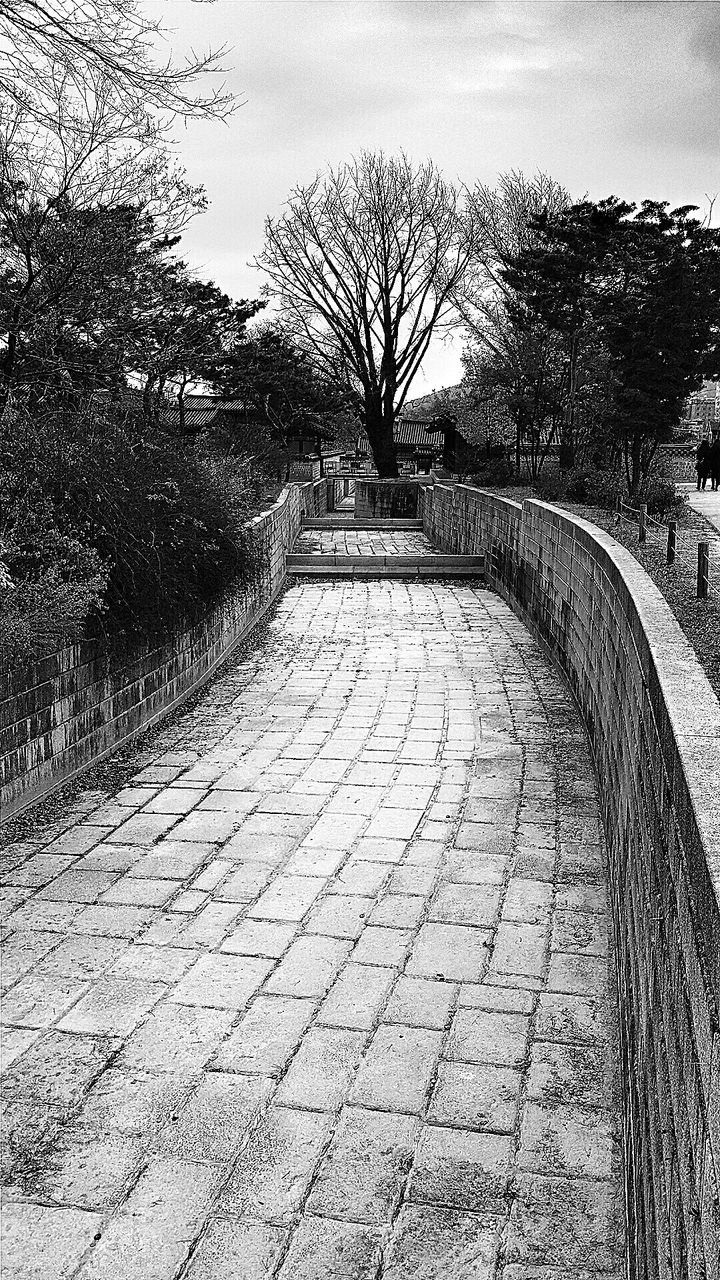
<point x="259" y="938"/>
<point x="413" y="879"/>
<point x="154" y="964"/>
<point x="479" y="1035"/>
<point x="361" y="1177"/>
<point x="421" y="1002"/>
<point x="309" y="966"/>
<point x="356" y="997"/>
<point x="244" y="884"/>
<point x="465" y="904"/>
<point x="39" y="1000"/>
<point x="589" y="898"/>
<point x="266" y="847"/>
<point x="578" y="974"/>
<point x="398" y="909"/>
<point x="335" y="831"/>
<point x="566" y="1222"/>
<point x="44" y="1243"/>
<point x="380" y="849"/>
<point x="339" y="916"/>
<point x="394" y="824"/>
<point x="520" y="949"/>
<point x="289" y="802"/>
<point x="133" y="1102"/>
<point x="475" y="1096"/>
<point x="480" y="995"/>
<point x="142" y="829"/>
<point x="152" y="1235"/>
<point x="360" y="877"/>
<point x="13" y="1042"/>
<point x="467" y="866"/>
<point x="315" y="862"/>
<point x="485" y="838"/>
<point x="527" y="901"/>
<point x="397" y="1068"/>
<point x="78" y="839"/>
<point x="112" y="921"/>
<point x="39" y="870"/>
<point x="177" y="800"/>
<point x="380" y="946"/>
<point x="140" y="892"/>
<point x="288" y="898"/>
<point x="319" y="1075"/>
<point x="449" y="951"/>
<point x="59" y="1068"/>
<point x="208" y="826"/>
<point x="571" y="1018"/>
<point x="460" y="1169"/>
<point x="216" y="1120"/>
<point x="81" y="957"/>
<point x="270" y="1182"/>
<point x="209" y="927"/>
<point x="94" y="1173"/>
<point x="425" y="853"/>
<point x="333" y="1250"/>
<point x="222" y="981"/>
<point x="567" y="1139"/>
<point x="176" y="1038"/>
<point x="580" y="1074"/>
<point x="440" y="1244"/>
<point x="236" y="1251"/>
<point x="77" y="886"/>
<point x="171" y="860"/>
<point x="576" y="931"/>
<point x="267" y="1036"/>
<point x="114" y="1006"/>
<point x="354" y="799"/>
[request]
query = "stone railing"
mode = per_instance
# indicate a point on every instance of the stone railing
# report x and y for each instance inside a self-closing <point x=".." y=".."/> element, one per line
<point x="69" y="710"/>
<point x="654" y="723"/>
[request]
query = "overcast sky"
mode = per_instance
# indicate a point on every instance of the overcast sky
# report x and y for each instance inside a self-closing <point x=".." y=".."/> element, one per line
<point x="608" y="96"/>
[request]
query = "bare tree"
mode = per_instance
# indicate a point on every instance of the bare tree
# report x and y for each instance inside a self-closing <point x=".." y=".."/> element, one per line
<point x="364" y="264"/>
<point x="112" y="42"/>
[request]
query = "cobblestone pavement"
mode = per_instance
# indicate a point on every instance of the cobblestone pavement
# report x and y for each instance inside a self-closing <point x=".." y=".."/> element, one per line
<point x="363" y="542"/>
<point x="324" y="992"/>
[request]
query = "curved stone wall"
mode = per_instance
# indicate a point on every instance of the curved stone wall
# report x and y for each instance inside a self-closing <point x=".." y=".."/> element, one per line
<point x="69" y="710"/>
<point x="654" y="724"/>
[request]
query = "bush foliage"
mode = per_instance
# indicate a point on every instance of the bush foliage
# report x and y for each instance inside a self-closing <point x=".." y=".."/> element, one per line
<point x="107" y="527"/>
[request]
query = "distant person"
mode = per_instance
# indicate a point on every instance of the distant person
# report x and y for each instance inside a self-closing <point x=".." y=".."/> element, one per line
<point x="703" y="462"/>
<point x="715" y="463"/>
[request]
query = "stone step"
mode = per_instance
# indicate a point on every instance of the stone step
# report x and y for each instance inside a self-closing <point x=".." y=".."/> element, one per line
<point x="391" y="566"/>
<point x="335" y="522"/>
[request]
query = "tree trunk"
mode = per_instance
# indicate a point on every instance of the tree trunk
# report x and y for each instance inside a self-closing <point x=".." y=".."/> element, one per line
<point x="380" y="434"/>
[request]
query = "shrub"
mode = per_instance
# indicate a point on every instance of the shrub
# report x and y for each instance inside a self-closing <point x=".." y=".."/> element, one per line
<point x="107" y="527"/>
<point x="662" y="498"/>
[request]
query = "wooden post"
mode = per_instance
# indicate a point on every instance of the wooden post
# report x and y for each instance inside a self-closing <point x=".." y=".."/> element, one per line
<point x="703" y="570"/>
<point x="672" y="539"/>
<point x="642" y="523"/>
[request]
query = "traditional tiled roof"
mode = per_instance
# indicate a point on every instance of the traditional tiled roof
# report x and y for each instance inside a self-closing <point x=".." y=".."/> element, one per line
<point x="407" y="431"/>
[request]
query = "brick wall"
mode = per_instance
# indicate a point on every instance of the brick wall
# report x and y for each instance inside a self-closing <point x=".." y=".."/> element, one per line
<point x="385" y="499"/>
<point x="67" y="711"/>
<point x="654" y="723"/>
<point x="318" y="497"/>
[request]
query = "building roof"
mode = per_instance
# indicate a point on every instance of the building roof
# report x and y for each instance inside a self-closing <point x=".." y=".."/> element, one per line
<point x="417" y="432"/>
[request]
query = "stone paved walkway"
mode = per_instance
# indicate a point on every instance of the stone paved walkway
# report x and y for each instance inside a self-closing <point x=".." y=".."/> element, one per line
<point x="324" y="992"/>
<point x="707" y="503"/>
<point x="363" y="542"/>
